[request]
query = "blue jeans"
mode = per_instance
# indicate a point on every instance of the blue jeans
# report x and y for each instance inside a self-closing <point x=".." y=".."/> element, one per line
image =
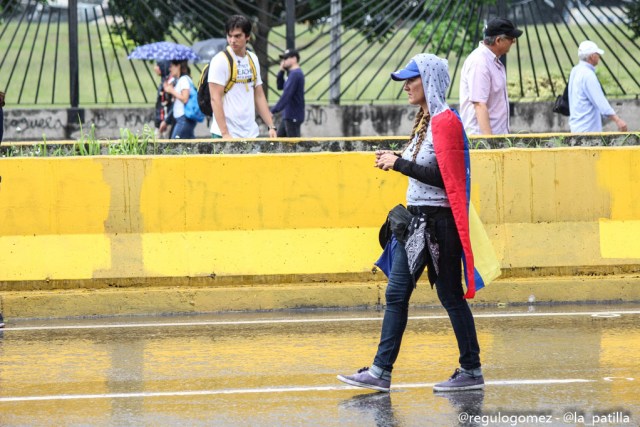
<point x="450" y="293"/>
<point x="183" y="129"/>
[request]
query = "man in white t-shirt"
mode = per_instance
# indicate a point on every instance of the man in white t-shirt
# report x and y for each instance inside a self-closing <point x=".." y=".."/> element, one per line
<point x="234" y="112"/>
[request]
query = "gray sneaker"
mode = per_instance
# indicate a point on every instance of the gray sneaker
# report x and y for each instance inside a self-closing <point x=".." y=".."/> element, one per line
<point x="460" y="382"/>
<point x="1" y="321"/>
<point x="365" y="379"/>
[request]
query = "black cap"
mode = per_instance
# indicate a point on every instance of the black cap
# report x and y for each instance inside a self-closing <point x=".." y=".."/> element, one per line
<point x="499" y="26"/>
<point x="290" y="53"/>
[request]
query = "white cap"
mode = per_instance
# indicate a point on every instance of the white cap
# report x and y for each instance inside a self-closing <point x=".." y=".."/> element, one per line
<point x="588" y="47"/>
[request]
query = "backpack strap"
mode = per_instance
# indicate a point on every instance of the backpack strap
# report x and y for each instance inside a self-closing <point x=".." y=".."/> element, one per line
<point x="191" y="83"/>
<point x="233" y="69"/>
<point x="254" y="72"/>
<point x="204" y="76"/>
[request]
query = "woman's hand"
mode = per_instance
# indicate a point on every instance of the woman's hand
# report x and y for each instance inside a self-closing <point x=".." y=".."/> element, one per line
<point x="168" y="88"/>
<point x="385" y="159"/>
<point x="381" y="152"/>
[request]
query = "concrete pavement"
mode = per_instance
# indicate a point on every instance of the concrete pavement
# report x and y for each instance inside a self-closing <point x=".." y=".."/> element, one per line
<point x="558" y="366"/>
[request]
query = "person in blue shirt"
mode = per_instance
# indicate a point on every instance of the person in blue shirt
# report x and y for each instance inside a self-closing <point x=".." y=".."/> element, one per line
<point x="587" y="104"/>
<point x="291" y="101"/>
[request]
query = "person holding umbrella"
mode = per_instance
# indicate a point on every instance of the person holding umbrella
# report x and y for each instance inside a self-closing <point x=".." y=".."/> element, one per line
<point x="179" y="82"/>
<point x="164" y="101"/>
<point x="184" y="126"/>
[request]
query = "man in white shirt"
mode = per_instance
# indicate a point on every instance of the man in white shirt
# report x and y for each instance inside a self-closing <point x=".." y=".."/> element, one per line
<point x="484" y="104"/>
<point x="587" y="103"/>
<point x="234" y="112"/>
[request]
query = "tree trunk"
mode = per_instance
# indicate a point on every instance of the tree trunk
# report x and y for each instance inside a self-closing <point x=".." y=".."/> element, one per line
<point x="261" y="42"/>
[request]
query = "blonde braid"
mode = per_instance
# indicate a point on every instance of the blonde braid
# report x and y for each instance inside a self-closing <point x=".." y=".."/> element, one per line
<point x="421" y="130"/>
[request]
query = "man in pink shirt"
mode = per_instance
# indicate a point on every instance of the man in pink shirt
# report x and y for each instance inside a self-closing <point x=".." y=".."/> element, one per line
<point x="484" y="104"/>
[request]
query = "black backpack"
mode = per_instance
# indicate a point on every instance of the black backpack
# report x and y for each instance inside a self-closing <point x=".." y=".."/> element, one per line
<point x="204" y="97"/>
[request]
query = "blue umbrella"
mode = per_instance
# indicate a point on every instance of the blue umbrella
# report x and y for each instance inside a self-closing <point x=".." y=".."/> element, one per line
<point x="164" y="51"/>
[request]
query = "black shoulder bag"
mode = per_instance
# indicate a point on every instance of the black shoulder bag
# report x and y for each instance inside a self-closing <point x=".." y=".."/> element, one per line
<point x="562" y="103"/>
<point x="397" y="222"/>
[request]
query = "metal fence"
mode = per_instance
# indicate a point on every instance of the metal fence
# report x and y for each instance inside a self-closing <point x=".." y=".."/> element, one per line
<point x="54" y="55"/>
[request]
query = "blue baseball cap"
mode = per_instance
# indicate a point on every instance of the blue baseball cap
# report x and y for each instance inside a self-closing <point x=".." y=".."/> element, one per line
<point x="409" y="71"/>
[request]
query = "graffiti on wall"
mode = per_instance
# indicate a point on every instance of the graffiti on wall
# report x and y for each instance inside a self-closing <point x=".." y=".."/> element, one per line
<point x="28" y="125"/>
<point x="320" y="120"/>
<point x="357" y="120"/>
<point x="137" y="121"/>
<point x="103" y="121"/>
<point x="316" y="115"/>
<point x="109" y="122"/>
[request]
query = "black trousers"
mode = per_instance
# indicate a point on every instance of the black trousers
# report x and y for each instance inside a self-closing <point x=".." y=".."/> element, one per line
<point x="289" y="129"/>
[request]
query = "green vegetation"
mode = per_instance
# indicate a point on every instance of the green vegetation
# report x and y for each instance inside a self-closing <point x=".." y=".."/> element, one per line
<point x="87" y="144"/>
<point x="633" y="15"/>
<point x="101" y="82"/>
<point x="128" y="144"/>
<point x="134" y="144"/>
<point x="145" y="144"/>
<point x="364" y="69"/>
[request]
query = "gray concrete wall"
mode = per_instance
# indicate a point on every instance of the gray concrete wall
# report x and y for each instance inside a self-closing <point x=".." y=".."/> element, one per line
<point x="321" y="121"/>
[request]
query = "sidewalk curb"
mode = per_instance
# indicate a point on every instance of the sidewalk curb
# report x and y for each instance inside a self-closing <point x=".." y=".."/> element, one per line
<point x="337" y="295"/>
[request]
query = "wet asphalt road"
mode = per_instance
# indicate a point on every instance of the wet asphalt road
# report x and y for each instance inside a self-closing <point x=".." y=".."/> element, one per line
<point x="544" y="366"/>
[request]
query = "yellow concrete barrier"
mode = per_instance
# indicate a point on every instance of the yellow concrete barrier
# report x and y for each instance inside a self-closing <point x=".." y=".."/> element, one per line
<point x="119" y="217"/>
<point x="565" y="210"/>
<point x="298" y="214"/>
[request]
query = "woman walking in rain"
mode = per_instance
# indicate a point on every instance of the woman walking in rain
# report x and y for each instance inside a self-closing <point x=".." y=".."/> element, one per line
<point x="436" y="162"/>
<point x="164" y="101"/>
<point x="183" y="127"/>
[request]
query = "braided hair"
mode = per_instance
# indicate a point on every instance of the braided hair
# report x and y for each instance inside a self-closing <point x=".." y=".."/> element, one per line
<point x="420" y="129"/>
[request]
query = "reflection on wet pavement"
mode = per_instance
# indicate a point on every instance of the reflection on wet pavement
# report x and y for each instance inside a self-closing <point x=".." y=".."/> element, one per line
<point x="377" y="406"/>
<point x="468" y="403"/>
<point x="566" y="365"/>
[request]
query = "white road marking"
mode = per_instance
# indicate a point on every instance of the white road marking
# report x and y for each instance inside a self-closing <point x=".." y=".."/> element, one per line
<point x="316" y="320"/>
<point x="273" y="390"/>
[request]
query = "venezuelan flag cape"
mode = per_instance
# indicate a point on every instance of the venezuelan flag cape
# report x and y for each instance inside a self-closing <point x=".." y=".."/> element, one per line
<point x="452" y="153"/>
